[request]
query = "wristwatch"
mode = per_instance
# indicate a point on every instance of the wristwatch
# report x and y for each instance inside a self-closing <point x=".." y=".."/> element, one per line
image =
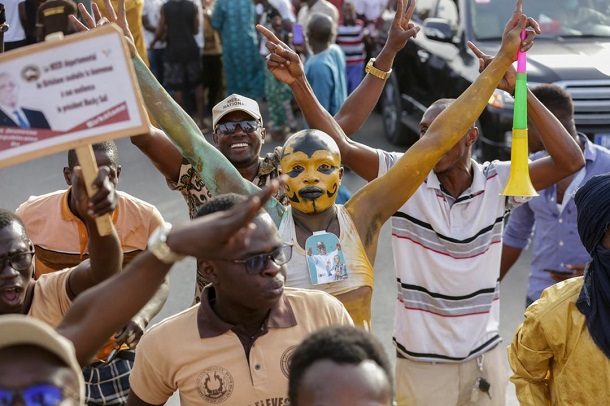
<point x="378" y="73"/>
<point x="157" y="245"/>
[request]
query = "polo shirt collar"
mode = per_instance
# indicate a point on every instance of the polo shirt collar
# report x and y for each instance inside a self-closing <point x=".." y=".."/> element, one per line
<point x="477" y="185"/>
<point x="210" y="325"/>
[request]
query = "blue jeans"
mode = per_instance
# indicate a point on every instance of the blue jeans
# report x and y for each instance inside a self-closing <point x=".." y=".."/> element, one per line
<point x="156" y="58"/>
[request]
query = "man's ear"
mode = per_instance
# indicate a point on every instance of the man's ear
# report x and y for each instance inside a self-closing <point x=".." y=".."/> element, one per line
<point x="208" y="270"/>
<point x="118" y="171"/>
<point x="215" y="139"/>
<point x="263" y="135"/>
<point x="68" y="175"/>
<point x="473" y="134"/>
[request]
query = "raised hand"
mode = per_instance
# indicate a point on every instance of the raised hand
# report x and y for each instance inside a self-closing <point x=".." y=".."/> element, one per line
<point x="511" y="39"/>
<point x="97" y="20"/>
<point x="282" y="62"/>
<point x="103" y="201"/>
<point x="401" y="30"/>
<point x="507" y="83"/>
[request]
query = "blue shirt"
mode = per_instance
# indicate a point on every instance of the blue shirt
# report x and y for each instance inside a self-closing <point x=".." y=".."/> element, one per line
<point x="555" y="239"/>
<point x="325" y="73"/>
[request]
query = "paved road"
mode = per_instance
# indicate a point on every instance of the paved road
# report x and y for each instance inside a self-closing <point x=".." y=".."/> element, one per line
<point x="140" y="178"/>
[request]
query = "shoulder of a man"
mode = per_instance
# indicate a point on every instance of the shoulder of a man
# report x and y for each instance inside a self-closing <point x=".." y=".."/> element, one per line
<point x="329" y="310"/>
<point x="51" y="300"/>
<point x="556" y="301"/>
<point x="387" y="160"/>
<point x="35" y="211"/>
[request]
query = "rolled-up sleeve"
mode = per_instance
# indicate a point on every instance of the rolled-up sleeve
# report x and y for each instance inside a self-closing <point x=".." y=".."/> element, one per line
<point x="519" y="227"/>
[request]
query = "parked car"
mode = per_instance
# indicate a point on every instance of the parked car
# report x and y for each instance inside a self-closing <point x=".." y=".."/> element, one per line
<point x="573" y="52"/>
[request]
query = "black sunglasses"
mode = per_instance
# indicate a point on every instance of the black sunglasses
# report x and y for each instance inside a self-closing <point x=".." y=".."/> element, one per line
<point x="257" y="263"/>
<point x="20" y="261"/>
<point x="247" y="126"/>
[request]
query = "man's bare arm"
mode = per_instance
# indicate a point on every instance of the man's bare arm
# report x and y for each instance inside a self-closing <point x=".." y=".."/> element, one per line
<point x="100" y="311"/>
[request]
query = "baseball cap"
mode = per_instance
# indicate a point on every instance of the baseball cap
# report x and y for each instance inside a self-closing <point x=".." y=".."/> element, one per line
<point x="235" y="102"/>
<point x="18" y="329"/>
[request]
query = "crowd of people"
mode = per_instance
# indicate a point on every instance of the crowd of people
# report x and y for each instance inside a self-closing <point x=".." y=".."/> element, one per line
<point x="285" y="274"/>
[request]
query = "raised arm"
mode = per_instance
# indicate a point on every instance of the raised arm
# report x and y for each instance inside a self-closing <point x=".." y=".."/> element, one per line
<point x="359" y="105"/>
<point x="105" y="253"/>
<point x="565" y="156"/>
<point x="403" y="179"/>
<point x="286" y="66"/>
<point x="100" y="311"/>
<point x="218" y="174"/>
<point x="161" y="151"/>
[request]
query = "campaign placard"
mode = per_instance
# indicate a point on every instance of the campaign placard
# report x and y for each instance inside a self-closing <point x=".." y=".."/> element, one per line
<point x="61" y="94"/>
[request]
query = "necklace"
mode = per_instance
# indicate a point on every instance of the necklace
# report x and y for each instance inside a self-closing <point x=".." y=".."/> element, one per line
<point x="304" y="227"/>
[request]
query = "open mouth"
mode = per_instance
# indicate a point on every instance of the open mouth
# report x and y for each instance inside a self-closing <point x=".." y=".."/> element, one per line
<point x="311" y="193"/>
<point x="239" y="145"/>
<point x="11" y="295"/>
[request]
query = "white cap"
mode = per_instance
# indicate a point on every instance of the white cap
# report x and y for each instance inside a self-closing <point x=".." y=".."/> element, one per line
<point x="19" y="329"/>
<point x="232" y="103"/>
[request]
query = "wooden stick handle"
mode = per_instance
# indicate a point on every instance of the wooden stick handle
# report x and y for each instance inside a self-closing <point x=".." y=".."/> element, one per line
<point x="86" y="160"/>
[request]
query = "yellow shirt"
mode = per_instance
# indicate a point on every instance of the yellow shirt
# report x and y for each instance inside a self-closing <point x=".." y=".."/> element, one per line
<point x="200" y="355"/>
<point x="554" y="359"/>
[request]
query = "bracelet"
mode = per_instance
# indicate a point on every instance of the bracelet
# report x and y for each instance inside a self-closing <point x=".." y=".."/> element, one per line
<point x="378" y="73"/>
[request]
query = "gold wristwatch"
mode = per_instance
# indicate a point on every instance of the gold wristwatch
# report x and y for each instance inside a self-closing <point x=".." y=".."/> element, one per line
<point x="157" y="245"/>
<point x="378" y="73"/>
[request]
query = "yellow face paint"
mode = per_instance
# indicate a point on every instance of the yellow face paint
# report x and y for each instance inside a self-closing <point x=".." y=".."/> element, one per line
<point x="313" y="181"/>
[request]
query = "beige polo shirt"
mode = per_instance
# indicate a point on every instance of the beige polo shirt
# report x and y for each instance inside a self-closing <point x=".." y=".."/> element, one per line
<point x="204" y="357"/>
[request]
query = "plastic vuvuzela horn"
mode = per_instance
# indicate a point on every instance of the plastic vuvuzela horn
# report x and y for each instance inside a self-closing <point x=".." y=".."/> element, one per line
<point x="519" y="182"/>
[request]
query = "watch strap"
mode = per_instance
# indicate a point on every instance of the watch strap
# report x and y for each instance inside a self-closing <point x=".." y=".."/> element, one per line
<point x="157" y="245"/>
<point x="371" y="69"/>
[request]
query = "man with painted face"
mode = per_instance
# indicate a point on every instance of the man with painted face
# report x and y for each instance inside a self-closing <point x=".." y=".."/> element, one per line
<point x="312" y="160"/>
<point x="446" y="237"/>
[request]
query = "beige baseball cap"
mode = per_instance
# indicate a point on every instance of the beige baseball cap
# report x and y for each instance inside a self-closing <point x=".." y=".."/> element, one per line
<point x="18" y="329"/>
<point x="235" y="102"/>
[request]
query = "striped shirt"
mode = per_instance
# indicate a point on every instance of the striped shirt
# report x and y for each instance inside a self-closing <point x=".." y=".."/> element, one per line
<point x="447" y="258"/>
<point x="351" y="40"/>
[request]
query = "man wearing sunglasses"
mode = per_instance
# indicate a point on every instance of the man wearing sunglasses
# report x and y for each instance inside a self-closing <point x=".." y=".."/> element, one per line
<point x="39" y="367"/>
<point x="234" y="346"/>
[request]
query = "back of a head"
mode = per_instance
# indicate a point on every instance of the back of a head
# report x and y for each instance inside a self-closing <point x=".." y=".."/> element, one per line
<point x="593" y="210"/>
<point x="107" y="147"/>
<point x="219" y="203"/>
<point x="343" y="345"/>
<point x="320" y="29"/>
<point x="559" y="102"/>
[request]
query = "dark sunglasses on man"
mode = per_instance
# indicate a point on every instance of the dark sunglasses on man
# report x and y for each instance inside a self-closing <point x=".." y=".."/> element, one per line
<point x="20" y="261"/>
<point x="256" y="264"/>
<point x="35" y="395"/>
<point x="247" y="126"/>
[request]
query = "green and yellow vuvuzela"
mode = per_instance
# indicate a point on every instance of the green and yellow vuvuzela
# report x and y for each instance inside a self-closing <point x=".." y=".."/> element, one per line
<point x="519" y="182"/>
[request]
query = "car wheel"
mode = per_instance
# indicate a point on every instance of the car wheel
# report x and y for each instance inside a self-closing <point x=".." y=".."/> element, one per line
<point x="391" y="110"/>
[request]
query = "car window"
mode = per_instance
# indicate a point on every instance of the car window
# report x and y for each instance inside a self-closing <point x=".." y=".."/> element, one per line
<point x="424" y="9"/>
<point x="447" y="9"/>
<point x="557" y="18"/>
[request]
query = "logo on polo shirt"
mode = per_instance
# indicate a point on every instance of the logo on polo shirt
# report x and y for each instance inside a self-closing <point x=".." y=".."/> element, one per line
<point x="286" y="358"/>
<point x="215" y="384"/>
